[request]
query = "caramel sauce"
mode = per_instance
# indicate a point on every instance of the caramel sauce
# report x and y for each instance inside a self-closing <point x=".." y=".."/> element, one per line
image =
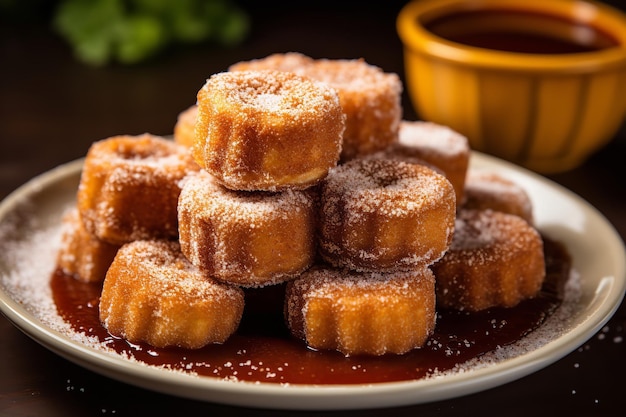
<point x="522" y="32"/>
<point x="263" y="350"/>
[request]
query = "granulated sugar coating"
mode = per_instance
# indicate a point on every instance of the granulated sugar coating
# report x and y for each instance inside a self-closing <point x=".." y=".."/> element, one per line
<point x="275" y="93"/>
<point x="554" y="326"/>
<point x="30" y="247"/>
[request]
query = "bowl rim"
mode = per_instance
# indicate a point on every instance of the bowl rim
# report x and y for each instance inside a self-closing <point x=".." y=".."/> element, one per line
<point x="418" y="39"/>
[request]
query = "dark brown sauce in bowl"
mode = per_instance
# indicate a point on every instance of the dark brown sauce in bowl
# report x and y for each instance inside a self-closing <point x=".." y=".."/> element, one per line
<point x="520" y="31"/>
<point x="262" y="349"/>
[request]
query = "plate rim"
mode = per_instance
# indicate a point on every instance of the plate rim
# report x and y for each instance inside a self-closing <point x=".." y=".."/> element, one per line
<point x="305" y="396"/>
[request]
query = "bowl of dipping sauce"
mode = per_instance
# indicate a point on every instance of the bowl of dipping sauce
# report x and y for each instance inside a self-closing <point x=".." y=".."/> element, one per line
<point x="541" y="83"/>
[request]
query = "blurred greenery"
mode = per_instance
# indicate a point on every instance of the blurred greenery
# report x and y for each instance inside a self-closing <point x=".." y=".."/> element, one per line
<point x="131" y="31"/>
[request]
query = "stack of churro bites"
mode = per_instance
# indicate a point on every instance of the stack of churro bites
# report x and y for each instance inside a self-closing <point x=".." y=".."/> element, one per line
<point x="297" y="173"/>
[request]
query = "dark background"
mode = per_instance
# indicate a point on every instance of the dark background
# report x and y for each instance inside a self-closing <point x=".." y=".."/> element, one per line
<point x="53" y="107"/>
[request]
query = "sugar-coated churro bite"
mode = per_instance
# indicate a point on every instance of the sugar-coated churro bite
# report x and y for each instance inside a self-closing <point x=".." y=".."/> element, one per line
<point x="288" y="61"/>
<point x="490" y="190"/>
<point x="434" y="145"/>
<point x="185" y="126"/>
<point x="495" y="260"/>
<point x="371" y="100"/>
<point x="250" y="239"/>
<point x="382" y="215"/>
<point x="82" y="255"/>
<point x="362" y="313"/>
<point x="129" y="188"/>
<point x="153" y="294"/>
<point x="267" y="130"/>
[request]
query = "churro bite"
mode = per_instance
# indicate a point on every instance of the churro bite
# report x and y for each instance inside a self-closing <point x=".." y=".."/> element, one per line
<point x="82" y="255"/>
<point x="490" y="190"/>
<point x="370" y="97"/>
<point x="185" y="126"/>
<point x="371" y="100"/>
<point x="267" y="130"/>
<point x="495" y="260"/>
<point x="361" y="313"/>
<point x="383" y="215"/>
<point x="435" y="146"/>
<point x="251" y="239"/>
<point x="153" y="294"/>
<point x="129" y="188"/>
<point x="288" y="61"/>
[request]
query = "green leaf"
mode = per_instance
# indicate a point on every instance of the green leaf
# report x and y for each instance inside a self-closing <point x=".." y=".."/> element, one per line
<point x="139" y="38"/>
<point x="90" y="27"/>
<point x="233" y="29"/>
<point x="130" y="31"/>
<point x="94" y="50"/>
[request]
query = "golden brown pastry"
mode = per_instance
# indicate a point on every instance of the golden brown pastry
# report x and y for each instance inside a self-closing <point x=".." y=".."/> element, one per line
<point x="153" y="294"/>
<point x="129" y="188"/>
<point x="383" y="215"/>
<point x="495" y="260"/>
<point x="82" y="255"/>
<point x="267" y="130"/>
<point x="251" y="239"/>
<point x="436" y="146"/>
<point x="185" y="126"/>
<point x="362" y="313"/>
<point x="485" y="189"/>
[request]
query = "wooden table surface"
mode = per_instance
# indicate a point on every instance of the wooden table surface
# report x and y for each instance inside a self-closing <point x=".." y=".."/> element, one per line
<point x="53" y="107"/>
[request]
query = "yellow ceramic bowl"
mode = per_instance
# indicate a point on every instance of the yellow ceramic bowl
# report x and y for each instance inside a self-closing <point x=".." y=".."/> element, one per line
<point x="546" y="109"/>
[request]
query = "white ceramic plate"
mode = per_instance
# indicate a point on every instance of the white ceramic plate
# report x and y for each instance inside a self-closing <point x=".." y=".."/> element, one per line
<point x="29" y="233"/>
